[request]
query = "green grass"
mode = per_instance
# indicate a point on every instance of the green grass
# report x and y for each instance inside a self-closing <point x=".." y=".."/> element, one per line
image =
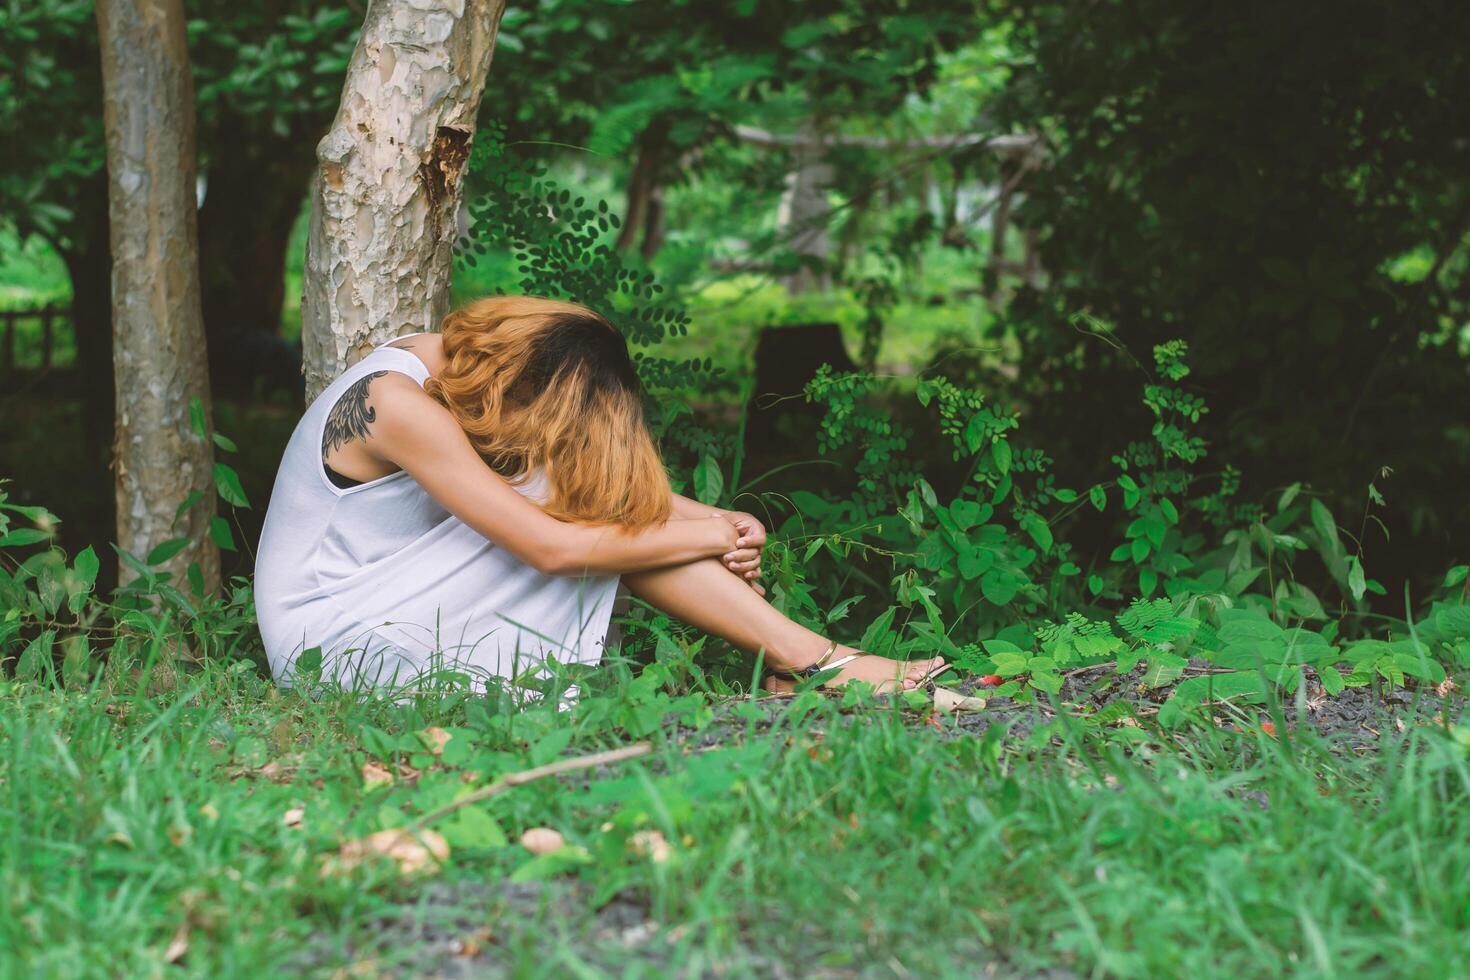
<point x="149" y="811"/>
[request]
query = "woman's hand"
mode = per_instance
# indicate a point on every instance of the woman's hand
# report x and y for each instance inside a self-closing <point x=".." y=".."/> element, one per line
<point x="745" y="558"/>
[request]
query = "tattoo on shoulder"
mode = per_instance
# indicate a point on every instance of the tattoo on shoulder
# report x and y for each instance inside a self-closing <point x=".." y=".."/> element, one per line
<point x="350" y="417"/>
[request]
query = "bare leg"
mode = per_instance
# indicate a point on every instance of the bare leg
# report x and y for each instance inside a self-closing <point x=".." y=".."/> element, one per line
<point x="707" y="596"/>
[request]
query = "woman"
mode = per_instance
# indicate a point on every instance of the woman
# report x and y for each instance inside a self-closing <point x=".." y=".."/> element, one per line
<point x="472" y="498"/>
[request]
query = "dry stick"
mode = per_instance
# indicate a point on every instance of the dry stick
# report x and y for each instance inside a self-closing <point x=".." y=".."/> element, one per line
<point x="531" y="775"/>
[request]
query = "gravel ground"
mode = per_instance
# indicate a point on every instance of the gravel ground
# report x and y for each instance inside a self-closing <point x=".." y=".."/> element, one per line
<point x="1355" y="719"/>
<point x="470" y="929"/>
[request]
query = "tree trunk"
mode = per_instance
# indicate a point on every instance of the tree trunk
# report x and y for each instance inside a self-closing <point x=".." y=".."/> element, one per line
<point x="158" y="332"/>
<point x="643" y="216"/>
<point x="387" y="187"/>
<point x="653" y="225"/>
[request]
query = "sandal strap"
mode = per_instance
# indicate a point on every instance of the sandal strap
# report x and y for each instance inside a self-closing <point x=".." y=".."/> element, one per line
<point x="815" y="667"/>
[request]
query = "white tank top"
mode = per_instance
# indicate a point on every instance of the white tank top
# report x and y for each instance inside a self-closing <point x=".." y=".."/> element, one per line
<point x="391" y="586"/>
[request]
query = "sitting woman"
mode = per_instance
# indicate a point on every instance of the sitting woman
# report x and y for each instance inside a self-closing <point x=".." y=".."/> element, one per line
<point x="471" y="499"/>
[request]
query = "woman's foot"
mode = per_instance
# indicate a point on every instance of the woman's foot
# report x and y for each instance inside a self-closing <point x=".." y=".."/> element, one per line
<point x="854" y="665"/>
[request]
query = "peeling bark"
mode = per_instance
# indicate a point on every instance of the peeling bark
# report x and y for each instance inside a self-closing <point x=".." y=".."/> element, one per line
<point x="158" y="331"/>
<point x="389" y="174"/>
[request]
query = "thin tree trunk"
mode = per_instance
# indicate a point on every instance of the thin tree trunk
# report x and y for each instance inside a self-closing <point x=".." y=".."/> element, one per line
<point x="640" y="189"/>
<point x="390" y="170"/>
<point x="158" y="332"/>
<point x="643" y="216"/>
<point x="654" y="220"/>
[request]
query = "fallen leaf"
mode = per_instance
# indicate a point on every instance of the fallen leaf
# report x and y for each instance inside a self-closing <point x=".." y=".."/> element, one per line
<point x="412" y="851"/>
<point x="375" y="774"/>
<point x="947" y="700"/>
<point x="1444" y="687"/>
<point x="992" y="680"/>
<point x="179" y="945"/>
<point x="435" y="739"/>
<point x="650" y="844"/>
<point x="472" y="945"/>
<point x="209" y="812"/>
<point x="294" y="816"/>
<point x="1269" y="727"/>
<point x="543" y="840"/>
<point x="119" y="838"/>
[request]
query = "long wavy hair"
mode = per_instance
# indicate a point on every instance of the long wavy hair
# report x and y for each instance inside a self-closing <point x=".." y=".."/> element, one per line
<point x="545" y="385"/>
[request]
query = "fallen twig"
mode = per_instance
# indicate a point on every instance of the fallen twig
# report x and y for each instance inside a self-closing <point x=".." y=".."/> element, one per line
<point x="531" y="775"/>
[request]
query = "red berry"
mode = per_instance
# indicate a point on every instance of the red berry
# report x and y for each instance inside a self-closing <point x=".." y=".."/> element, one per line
<point x="1269" y="727"/>
<point x="991" y="680"/>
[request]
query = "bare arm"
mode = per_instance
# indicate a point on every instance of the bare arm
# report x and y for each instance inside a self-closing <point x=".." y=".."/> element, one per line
<point x="687" y="509"/>
<point x="415" y="433"/>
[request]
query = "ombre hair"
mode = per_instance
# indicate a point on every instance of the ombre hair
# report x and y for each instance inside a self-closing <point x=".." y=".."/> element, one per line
<point x="545" y="385"/>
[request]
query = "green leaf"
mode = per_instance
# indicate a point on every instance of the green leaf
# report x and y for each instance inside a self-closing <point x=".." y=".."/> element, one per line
<point x="1455" y="576"/>
<point x="472" y="827"/>
<point x="549" y="865"/>
<point x="1357" y="582"/>
<point x="1171" y="513"/>
<point x="1326" y="528"/>
<point x="196" y="579"/>
<point x="1148" y="580"/>
<point x="1000" y="452"/>
<point x="1098" y="496"/>
<point x="974" y="562"/>
<point x="189" y="501"/>
<point x="23" y="536"/>
<point x="1138" y="549"/>
<point x="225" y="443"/>
<point x="1332" y="681"/>
<point x="167" y="550"/>
<point x="1046" y="681"/>
<point x="840" y="611"/>
<point x="877" y="633"/>
<point x="1009" y="664"/>
<point x="1000" y="587"/>
<point x="220" y="533"/>
<point x="1244" y="627"/>
<point x="1163" y="668"/>
<point x="1034" y="525"/>
<point x="709" y="482"/>
<point x="196" y="417"/>
<point x="86" y="565"/>
<point x="227" y="482"/>
<point x="1095" y="584"/>
<point x="1287" y="496"/>
<point x="36" y="658"/>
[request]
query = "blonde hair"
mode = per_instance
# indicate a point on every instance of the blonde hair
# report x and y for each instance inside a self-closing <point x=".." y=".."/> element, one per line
<point x="548" y="385"/>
